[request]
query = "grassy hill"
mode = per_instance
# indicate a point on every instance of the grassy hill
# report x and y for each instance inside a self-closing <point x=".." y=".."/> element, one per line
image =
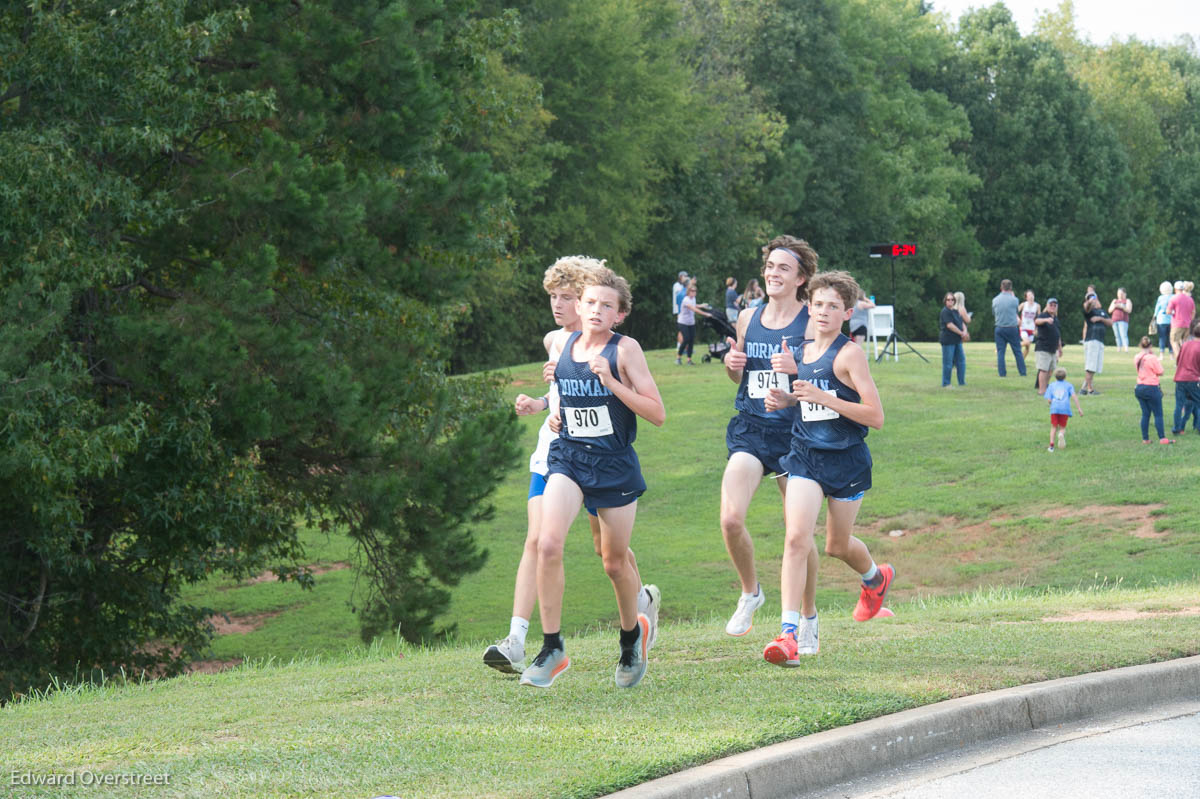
<point x="964" y="473"/>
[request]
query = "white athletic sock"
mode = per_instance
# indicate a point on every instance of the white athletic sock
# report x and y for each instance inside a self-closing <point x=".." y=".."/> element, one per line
<point x="791" y="617"/>
<point x="519" y="627"/>
<point x="757" y="591"/>
<point x="870" y="573"/>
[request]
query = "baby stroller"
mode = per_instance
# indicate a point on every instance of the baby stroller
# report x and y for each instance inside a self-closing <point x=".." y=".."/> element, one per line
<point x="720" y="325"/>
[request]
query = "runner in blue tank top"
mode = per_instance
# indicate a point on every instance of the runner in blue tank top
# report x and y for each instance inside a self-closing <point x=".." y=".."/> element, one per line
<point x="604" y="383"/>
<point x="758" y="438"/>
<point x="836" y="402"/>
<point x="563" y="281"/>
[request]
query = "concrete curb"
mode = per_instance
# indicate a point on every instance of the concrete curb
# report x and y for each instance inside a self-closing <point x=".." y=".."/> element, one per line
<point x="815" y="762"/>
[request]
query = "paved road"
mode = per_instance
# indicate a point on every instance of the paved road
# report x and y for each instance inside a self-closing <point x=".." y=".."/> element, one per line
<point x="1148" y="755"/>
<point x="1131" y="733"/>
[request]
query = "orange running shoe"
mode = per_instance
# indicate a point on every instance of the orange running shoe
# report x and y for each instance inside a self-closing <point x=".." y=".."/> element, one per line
<point x="871" y="599"/>
<point x="782" y="651"/>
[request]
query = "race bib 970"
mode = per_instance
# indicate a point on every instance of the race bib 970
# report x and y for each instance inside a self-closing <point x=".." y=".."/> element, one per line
<point x="588" y="422"/>
<point x="812" y="412"/>
<point x="759" y="382"/>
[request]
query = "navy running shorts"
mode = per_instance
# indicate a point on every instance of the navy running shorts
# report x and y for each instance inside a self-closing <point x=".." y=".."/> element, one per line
<point x="537" y="487"/>
<point x="769" y="443"/>
<point x="841" y="473"/>
<point x="607" y="479"/>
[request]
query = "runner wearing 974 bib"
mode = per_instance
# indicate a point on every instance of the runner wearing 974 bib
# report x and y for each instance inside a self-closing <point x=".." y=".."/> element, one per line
<point x="760" y="359"/>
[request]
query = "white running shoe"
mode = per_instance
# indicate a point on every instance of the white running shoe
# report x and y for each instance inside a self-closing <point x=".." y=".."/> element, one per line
<point x="808" y="641"/>
<point x="651" y="598"/>
<point x="742" y="620"/>
<point x="506" y="655"/>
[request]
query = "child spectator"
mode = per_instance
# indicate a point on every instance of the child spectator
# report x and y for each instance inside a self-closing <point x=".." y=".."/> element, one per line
<point x="1059" y="395"/>
<point x="1148" y="391"/>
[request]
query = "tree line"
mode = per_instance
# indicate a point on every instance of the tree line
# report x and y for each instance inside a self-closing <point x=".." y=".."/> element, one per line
<point x="253" y="256"/>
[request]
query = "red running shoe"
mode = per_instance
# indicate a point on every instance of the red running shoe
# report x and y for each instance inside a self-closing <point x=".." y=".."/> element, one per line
<point x="871" y="599"/>
<point x="782" y="651"/>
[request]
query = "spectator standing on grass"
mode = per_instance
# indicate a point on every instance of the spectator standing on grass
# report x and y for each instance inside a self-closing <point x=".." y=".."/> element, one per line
<point x="1148" y="392"/>
<point x="1048" y="347"/>
<point x="1059" y="395"/>
<point x="1004" y="309"/>
<point x="678" y="292"/>
<point x="1120" y="309"/>
<point x="1187" y="382"/>
<point x="1028" y="311"/>
<point x="686" y="322"/>
<point x="1162" y="319"/>
<point x="952" y="333"/>
<point x="1182" y="309"/>
<point x="1097" y="322"/>
<point x="860" y="317"/>
<point x="731" y="300"/>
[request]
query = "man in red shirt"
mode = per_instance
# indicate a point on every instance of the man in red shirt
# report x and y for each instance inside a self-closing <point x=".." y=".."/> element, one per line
<point x="1187" y="382"/>
<point x="1182" y="309"/>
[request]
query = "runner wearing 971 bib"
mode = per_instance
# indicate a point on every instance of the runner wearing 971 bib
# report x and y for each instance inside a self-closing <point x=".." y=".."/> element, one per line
<point x="837" y="402"/>
<point x="760" y="359"/>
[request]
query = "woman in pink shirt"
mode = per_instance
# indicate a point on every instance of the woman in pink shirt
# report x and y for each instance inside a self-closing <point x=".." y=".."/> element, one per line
<point x="1148" y="392"/>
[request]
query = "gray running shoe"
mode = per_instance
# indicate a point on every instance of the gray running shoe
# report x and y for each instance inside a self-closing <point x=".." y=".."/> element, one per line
<point x="632" y="665"/>
<point x="742" y="620"/>
<point x="808" y="642"/>
<point x="506" y="655"/>
<point x="548" y="664"/>
<point x="653" y="603"/>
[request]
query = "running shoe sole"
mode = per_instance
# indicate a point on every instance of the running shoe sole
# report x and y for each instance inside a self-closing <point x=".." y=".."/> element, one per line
<point x="776" y="655"/>
<point x="499" y="661"/>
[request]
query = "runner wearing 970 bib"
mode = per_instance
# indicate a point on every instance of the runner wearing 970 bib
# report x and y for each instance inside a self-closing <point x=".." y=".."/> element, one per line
<point x="837" y="402"/>
<point x="760" y="359"/>
<point x="604" y="384"/>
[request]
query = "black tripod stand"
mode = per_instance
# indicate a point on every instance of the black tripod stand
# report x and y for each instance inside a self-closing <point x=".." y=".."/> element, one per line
<point x="894" y="337"/>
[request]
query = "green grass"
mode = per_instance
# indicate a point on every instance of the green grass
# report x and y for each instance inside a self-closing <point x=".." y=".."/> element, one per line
<point x="964" y="472"/>
<point x="999" y="537"/>
<point x="433" y="722"/>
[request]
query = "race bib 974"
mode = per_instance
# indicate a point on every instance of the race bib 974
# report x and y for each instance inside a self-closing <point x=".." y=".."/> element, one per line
<point x="588" y="422"/>
<point x="813" y="412"/>
<point x="759" y="382"/>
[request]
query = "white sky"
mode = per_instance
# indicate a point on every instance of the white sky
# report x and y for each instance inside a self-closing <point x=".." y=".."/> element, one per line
<point x="1099" y="20"/>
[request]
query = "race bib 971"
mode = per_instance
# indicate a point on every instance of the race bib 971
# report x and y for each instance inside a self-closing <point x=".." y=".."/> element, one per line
<point x="759" y="382"/>
<point x="812" y="412"/>
<point x="590" y="422"/>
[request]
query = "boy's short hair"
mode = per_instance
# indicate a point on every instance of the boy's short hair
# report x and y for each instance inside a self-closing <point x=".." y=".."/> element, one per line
<point x="1060" y="374"/>
<point x="609" y="279"/>
<point x="841" y="282"/>
<point x="803" y="251"/>
<point x="569" y="272"/>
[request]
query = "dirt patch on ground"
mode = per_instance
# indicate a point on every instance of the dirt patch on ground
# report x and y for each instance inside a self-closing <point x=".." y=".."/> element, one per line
<point x="271" y="577"/>
<point x="1121" y="615"/>
<point x="1138" y="518"/>
<point x="224" y="624"/>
